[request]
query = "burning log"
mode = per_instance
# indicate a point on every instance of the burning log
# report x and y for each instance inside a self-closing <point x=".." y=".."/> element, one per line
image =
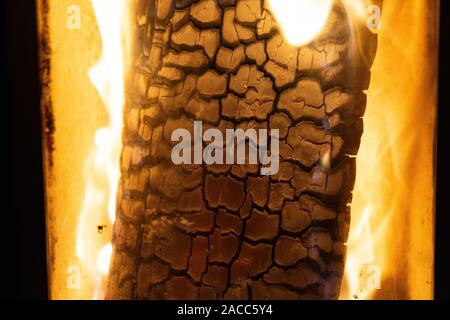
<point x="223" y="231"/>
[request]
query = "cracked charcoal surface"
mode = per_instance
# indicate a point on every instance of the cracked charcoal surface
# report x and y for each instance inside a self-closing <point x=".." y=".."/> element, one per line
<point x="223" y="231"/>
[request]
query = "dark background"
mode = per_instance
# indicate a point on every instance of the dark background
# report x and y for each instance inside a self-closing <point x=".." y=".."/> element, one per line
<point x="442" y="249"/>
<point x="22" y="226"/>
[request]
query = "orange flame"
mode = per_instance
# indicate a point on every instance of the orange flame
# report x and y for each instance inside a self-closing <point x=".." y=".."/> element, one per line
<point x="390" y="246"/>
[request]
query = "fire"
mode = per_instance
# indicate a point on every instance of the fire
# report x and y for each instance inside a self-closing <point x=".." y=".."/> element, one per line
<point x="390" y="247"/>
<point x="301" y="20"/>
<point x="364" y="264"/>
<point x="103" y="259"/>
<point x="102" y="165"/>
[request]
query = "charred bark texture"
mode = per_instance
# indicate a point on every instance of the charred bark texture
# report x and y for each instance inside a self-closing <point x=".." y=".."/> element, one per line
<point x="224" y="231"/>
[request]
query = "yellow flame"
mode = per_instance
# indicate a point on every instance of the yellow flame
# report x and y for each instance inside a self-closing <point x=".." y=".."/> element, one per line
<point x="390" y="251"/>
<point x="364" y="266"/>
<point x="356" y="8"/>
<point x="104" y="258"/>
<point x="301" y="20"/>
<point x="371" y="213"/>
<point x="102" y="165"/>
